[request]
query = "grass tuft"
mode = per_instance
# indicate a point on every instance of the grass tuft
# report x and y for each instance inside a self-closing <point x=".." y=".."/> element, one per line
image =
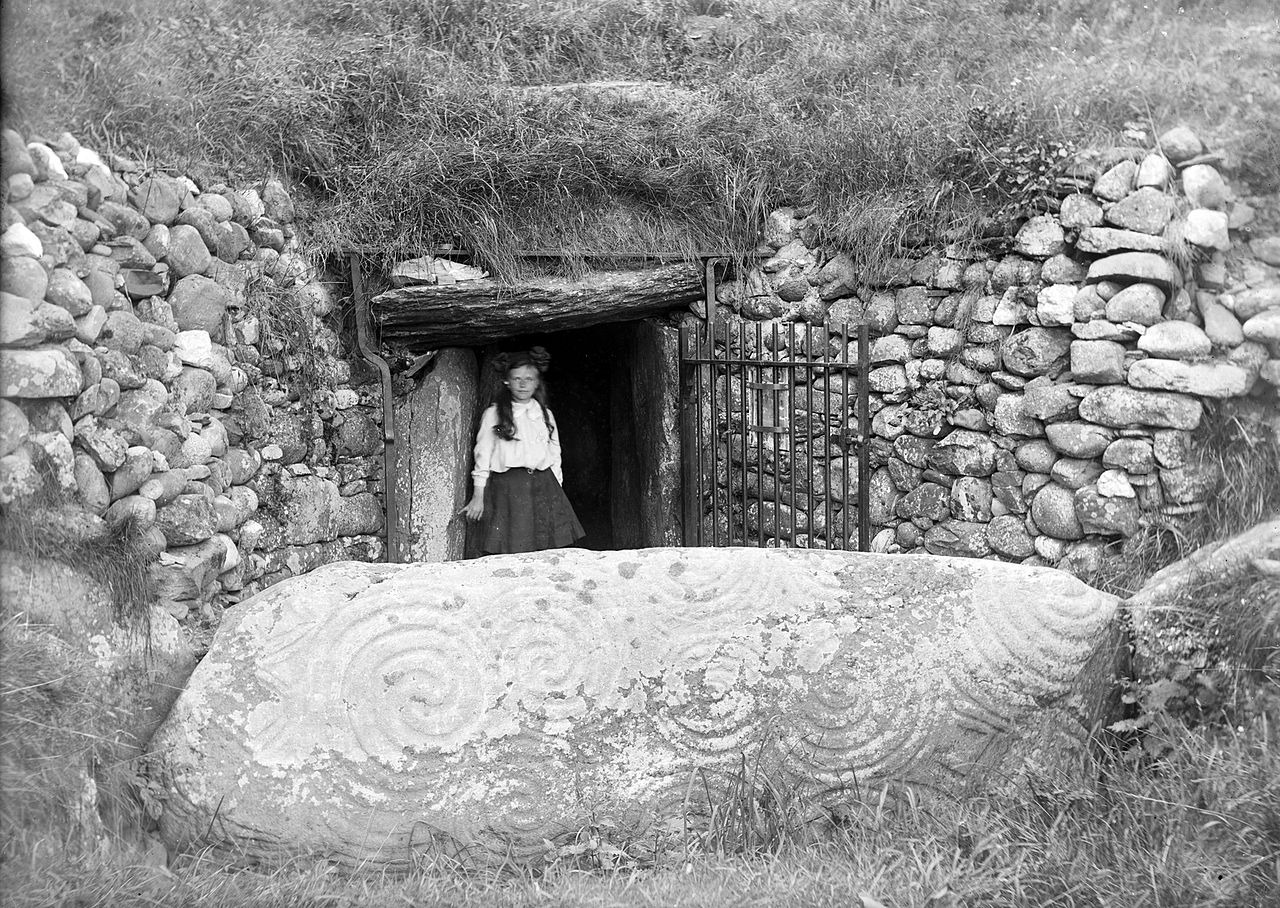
<point x="414" y="123"/>
<point x="50" y="526"/>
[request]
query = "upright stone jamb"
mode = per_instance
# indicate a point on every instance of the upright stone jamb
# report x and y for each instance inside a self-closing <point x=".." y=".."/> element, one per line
<point x="432" y="463"/>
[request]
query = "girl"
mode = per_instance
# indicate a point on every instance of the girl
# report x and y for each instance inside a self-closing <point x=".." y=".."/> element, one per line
<point x="518" y="496"/>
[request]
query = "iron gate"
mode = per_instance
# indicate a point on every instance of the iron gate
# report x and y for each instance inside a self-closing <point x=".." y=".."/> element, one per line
<point x="773" y="426"/>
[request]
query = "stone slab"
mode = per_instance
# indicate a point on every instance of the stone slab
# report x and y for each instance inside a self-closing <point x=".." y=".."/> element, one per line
<point x="375" y="713"/>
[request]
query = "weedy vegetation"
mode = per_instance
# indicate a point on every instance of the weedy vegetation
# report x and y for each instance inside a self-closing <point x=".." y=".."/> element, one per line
<point x="420" y="122"/>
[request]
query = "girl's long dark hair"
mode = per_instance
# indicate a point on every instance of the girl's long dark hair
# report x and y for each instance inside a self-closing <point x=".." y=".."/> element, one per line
<point x="503" y="363"/>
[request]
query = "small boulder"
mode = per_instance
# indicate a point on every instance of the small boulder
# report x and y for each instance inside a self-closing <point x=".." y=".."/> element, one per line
<point x="1255" y="300"/>
<point x="23" y="276"/>
<point x="188" y="253"/>
<point x="1007" y="535"/>
<point x="1204" y="187"/>
<point x="1128" y="267"/>
<point x="159" y="198"/>
<point x="14" y="427"/>
<point x="1054" y="512"/>
<point x="1133" y="455"/>
<point x="1154" y="171"/>
<point x="1100" y="362"/>
<point x="1040" y="237"/>
<point x="1126" y="408"/>
<point x="18" y="240"/>
<point x="1175" y="340"/>
<point x="67" y="290"/>
<point x="1036" y="351"/>
<point x="1180" y="143"/>
<point x="1117" y="182"/>
<point x="1107" y="516"/>
<point x="1079" y="439"/>
<point x="1207" y="229"/>
<point x="39" y="372"/>
<point x="91" y="486"/>
<point x="188" y="519"/>
<point x="124" y="221"/>
<point x="1142" y="304"/>
<point x="1264" y="327"/>
<point x="1144" y="211"/>
<point x="1080" y="211"/>
<point x="199" y="302"/>
<point x="1105" y="240"/>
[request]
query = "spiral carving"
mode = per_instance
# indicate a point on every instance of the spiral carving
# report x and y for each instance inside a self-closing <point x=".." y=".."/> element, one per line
<point x="482" y="707"/>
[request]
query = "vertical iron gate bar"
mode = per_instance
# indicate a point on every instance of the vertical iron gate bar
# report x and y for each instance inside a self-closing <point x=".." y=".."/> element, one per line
<point x="808" y="430"/>
<point x="710" y="370"/>
<point x="844" y="436"/>
<point x="704" y="429"/>
<point x="706" y="432"/>
<point x="792" y="394"/>
<point x="827" y="375"/>
<point x="758" y="406"/>
<point x="864" y="442"/>
<point x="774" y="374"/>
<point x="689" y="431"/>
<point x="744" y="421"/>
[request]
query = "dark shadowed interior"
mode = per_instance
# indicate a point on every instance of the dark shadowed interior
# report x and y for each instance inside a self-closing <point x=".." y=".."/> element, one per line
<point x="605" y="436"/>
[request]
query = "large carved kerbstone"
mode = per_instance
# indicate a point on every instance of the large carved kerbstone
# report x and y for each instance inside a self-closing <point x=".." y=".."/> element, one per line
<point x="370" y="712"/>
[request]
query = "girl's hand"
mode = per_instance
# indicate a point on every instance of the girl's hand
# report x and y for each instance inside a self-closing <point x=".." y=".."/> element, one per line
<point x="474" y="509"/>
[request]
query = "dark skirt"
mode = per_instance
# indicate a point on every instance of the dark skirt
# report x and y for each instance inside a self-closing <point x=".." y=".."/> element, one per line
<point x="526" y="511"/>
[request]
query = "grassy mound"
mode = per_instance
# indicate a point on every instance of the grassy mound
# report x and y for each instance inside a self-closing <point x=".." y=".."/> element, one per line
<point x="419" y="122"/>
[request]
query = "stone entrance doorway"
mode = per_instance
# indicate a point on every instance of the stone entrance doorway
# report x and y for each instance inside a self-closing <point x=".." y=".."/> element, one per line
<point x="614" y="390"/>
<point x="601" y="387"/>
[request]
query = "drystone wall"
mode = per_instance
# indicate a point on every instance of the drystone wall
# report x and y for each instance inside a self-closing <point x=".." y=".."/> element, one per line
<point x="1031" y="403"/>
<point x="170" y="360"/>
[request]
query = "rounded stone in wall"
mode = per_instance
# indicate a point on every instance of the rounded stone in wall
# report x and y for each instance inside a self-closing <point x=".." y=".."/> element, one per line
<point x="882" y="498"/>
<point x="1212" y="379"/>
<point x="1106" y="516"/>
<point x="188" y="253"/>
<point x="24" y="277"/>
<point x="1133" y="455"/>
<point x="199" y="302"/>
<point x="1117" y="182"/>
<point x="964" y="453"/>
<point x="1008" y="536"/>
<point x="1036" y="456"/>
<point x="927" y="500"/>
<point x="1140" y="303"/>
<point x="1147" y="210"/>
<point x="1204" y="187"/>
<point x="971" y="499"/>
<point x="159" y="198"/>
<point x="1079" y="439"/>
<point x="1039" y="237"/>
<point x="1036" y="351"/>
<point x="1253" y="301"/>
<point x="1264" y="327"/>
<point x="1075" y="473"/>
<point x="907" y="535"/>
<point x="39" y="372"/>
<point x="1053" y="510"/>
<point x="1121" y="407"/>
<point x="957" y="538"/>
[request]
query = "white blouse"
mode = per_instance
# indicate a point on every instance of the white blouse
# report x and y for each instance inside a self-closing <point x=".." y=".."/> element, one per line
<point x="533" y="447"/>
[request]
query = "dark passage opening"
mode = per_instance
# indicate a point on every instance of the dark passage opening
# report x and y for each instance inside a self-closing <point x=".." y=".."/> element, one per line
<point x="590" y="390"/>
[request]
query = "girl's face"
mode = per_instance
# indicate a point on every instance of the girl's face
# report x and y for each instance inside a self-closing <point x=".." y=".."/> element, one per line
<point x="522" y="382"/>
